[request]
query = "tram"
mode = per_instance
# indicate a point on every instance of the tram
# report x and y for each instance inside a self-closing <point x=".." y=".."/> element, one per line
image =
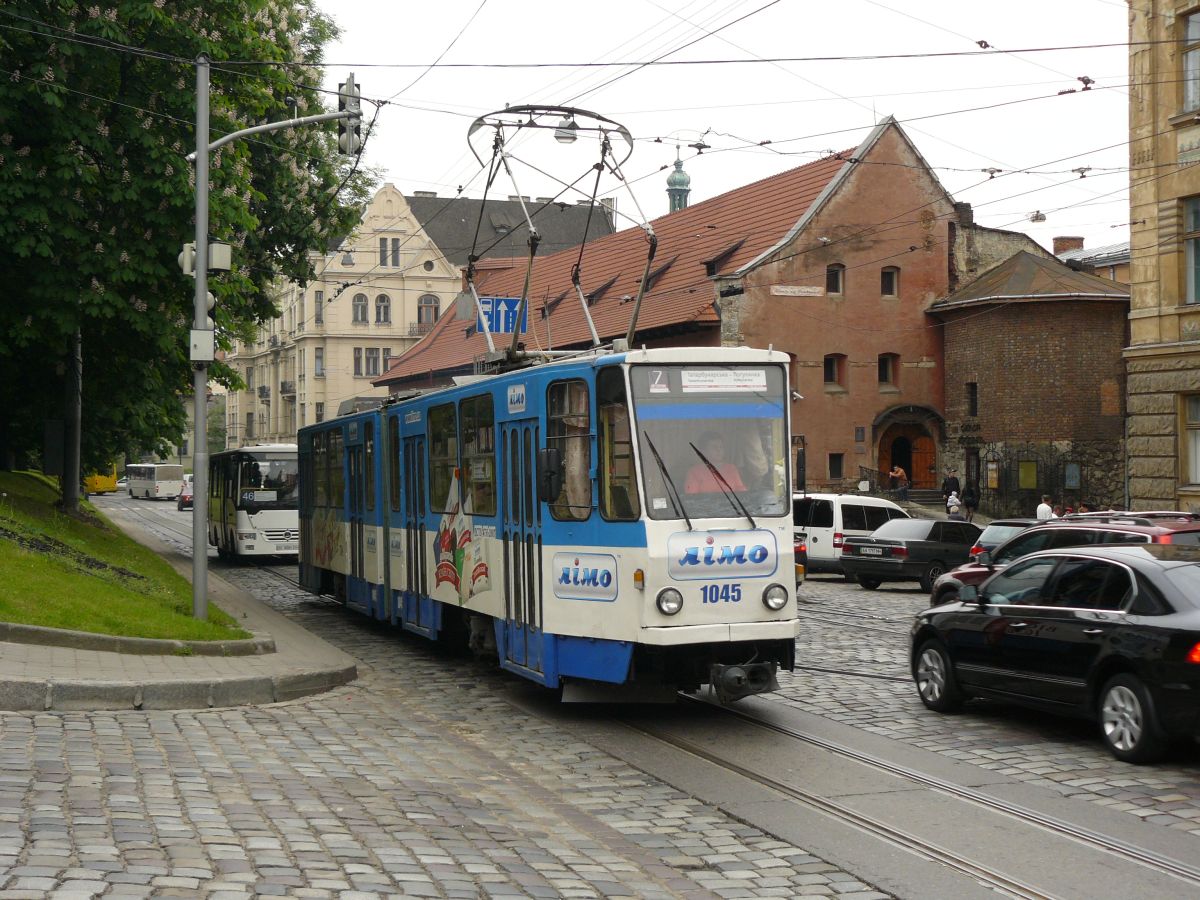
<point x="252" y="501"/>
<point x="615" y="521"/>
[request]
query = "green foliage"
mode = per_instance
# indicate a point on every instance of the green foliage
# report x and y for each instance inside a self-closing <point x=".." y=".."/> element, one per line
<point x="97" y="112"/>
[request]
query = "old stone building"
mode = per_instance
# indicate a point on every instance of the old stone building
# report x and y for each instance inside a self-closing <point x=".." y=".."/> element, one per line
<point x="1163" y="356"/>
<point x="1032" y="407"/>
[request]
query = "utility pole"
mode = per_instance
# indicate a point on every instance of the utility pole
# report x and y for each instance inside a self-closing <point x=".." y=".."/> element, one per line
<point x="203" y="345"/>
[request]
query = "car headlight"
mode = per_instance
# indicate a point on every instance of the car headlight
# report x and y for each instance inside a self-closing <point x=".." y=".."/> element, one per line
<point x="775" y="597"/>
<point x="669" y="601"/>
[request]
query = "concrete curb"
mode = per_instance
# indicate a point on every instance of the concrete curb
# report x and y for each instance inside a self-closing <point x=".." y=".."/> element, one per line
<point x="11" y="632"/>
<point x="24" y="695"/>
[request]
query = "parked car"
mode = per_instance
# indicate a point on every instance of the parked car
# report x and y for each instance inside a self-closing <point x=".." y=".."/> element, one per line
<point x="908" y="550"/>
<point x="184" y="500"/>
<point x="1000" y="530"/>
<point x="824" y="521"/>
<point x="1107" y="632"/>
<point x="1080" y="530"/>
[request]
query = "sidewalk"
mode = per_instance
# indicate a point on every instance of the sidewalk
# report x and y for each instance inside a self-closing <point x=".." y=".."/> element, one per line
<point x="84" y="672"/>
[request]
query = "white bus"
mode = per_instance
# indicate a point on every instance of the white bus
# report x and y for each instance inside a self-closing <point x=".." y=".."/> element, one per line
<point x="253" y="501"/>
<point x="154" y="481"/>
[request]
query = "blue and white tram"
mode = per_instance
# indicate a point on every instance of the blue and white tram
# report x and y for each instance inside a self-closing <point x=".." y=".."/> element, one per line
<point x="615" y="519"/>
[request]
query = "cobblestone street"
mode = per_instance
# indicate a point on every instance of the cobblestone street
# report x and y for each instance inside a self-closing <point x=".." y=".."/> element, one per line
<point x="870" y="638"/>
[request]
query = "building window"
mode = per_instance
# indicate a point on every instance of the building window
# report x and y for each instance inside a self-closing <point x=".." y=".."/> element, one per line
<point x="1191" y="61"/>
<point x="972" y="398"/>
<point x="320" y="411"/>
<point x="889" y="364"/>
<point x="835" y="370"/>
<point x="358" y="357"/>
<point x="396" y="252"/>
<point x="347" y="258"/>
<point x="889" y="281"/>
<point x="250" y="378"/>
<point x="387" y="358"/>
<point x="836" y="465"/>
<point x="319" y="362"/>
<point x="360" y="309"/>
<point x="319" y="312"/>
<point x="1191" y="249"/>
<point x="428" y="265"/>
<point x="383" y="310"/>
<point x="428" y="309"/>
<point x="372" y="360"/>
<point x="1192" y="438"/>
<point x="383" y="253"/>
<point x="249" y="425"/>
<point x="835" y="278"/>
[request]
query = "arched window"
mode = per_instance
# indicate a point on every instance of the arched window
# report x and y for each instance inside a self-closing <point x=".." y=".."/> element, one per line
<point x="835" y="370"/>
<point x="835" y="278"/>
<point x="383" y="310"/>
<point x="429" y="307"/>
<point x="889" y="281"/>
<point x="359" y="306"/>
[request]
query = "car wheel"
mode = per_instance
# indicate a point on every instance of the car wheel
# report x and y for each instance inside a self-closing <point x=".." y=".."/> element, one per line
<point x="1128" y="721"/>
<point x="869" y="583"/>
<point x="935" y="680"/>
<point x="932" y="573"/>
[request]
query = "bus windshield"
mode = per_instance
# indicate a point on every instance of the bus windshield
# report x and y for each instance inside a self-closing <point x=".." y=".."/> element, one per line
<point x="267" y="481"/>
<point x="712" y="439"/>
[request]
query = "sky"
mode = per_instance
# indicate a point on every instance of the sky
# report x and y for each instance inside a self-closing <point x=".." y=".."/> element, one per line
<point x="1006" y="126"/>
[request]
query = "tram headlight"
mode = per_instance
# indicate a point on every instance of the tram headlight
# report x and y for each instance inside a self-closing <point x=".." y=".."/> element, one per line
<point x="775" y="597"/>
<point x="669" y="601"/>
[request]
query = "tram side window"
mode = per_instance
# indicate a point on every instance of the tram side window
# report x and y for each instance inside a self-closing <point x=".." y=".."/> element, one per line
<point x="479" y="455"/>
<point x="618" y="481"/>
<point x="337" y="471"/>
<point x="320" y="466"/>
<point x="394" y="462"/>
<point x="569" y="429"/>
<point x="443" y="457"/>
<point x="369" y="453"/>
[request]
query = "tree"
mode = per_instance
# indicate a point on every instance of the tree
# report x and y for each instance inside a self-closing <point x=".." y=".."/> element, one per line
<point x="97" y="111"/>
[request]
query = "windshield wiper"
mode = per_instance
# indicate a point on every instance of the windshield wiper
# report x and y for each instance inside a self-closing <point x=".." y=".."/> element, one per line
<point x="676" y="500"/>
<point x="724" y="485"/>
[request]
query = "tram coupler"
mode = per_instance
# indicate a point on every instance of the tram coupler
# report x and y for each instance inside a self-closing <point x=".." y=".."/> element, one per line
<point x="733" y="682"/>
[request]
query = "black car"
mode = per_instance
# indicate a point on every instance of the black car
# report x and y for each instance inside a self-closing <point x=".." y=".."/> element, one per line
<point x="908" y="550"/>
<point x="1110" y="633"/>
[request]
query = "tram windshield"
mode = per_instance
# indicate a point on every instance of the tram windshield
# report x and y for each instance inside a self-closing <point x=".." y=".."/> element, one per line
<point x="267" y="481"/>
<point x="712" y="440"/>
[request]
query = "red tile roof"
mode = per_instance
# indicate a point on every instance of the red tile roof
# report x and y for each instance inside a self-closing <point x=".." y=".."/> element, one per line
<point x="730" y="230"/>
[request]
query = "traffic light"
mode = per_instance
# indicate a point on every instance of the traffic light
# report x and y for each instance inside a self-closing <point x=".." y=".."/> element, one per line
<point x="349" y="130"/>
<point x="210" y="303"/>
<point x="187" y="259"/>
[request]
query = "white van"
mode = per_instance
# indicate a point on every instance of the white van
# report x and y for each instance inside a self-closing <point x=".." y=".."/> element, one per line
<point x="823" y="521"/>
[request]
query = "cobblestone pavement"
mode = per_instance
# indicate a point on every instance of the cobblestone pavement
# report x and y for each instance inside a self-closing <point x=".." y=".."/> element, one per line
<point x="848" y="629"/>
<point x="414" y="780"/>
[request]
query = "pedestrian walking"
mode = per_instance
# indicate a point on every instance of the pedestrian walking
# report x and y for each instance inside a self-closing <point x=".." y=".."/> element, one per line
<point x="970" y="500"/>
<point x="950" y="485"/>
<point x="898" y="479"/>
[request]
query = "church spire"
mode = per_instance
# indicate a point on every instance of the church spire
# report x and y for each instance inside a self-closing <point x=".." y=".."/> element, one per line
<point x="678" y="185"/>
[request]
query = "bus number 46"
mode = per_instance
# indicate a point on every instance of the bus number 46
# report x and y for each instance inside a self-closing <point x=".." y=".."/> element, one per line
<point x="717" y="593"/>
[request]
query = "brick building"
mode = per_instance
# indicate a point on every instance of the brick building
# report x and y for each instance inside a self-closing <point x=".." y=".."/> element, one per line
<point x="1035" y="384"/>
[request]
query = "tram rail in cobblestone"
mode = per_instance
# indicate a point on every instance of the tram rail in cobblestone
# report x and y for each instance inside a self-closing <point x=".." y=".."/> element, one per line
<point x="893" y="631"/>
<point x="1177" y="868"/>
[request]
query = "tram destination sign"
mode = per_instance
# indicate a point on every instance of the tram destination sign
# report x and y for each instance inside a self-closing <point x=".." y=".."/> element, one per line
<point x="501" y="315"/>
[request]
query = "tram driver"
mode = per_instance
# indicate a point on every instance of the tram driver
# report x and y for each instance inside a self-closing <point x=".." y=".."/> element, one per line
<point x="701" y="479"/>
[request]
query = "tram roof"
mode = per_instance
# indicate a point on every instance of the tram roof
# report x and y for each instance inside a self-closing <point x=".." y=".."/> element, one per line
<point x="696" y="245"/>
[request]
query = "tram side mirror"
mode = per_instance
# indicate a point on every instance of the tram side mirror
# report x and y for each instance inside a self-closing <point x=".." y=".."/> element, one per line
<point x="550" y="474"/>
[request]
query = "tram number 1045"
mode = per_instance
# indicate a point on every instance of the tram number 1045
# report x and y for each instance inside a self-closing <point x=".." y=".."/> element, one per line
<point x="721" y="593"/>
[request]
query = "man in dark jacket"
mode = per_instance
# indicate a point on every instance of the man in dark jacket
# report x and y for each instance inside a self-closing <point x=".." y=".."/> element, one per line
<point x="950" y="485"/>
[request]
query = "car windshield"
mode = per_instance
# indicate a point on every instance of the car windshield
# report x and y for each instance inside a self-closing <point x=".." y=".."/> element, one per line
<point x="912" y="529"/>
<point x="712" y="440"/>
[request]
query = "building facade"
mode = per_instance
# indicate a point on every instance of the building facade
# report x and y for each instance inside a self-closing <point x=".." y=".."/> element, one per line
<point x="374" y="295"/>
<point x="1163" y="357"/>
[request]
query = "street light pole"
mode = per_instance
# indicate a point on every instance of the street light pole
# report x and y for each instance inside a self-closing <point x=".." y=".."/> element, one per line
<point x="199" y="363"/>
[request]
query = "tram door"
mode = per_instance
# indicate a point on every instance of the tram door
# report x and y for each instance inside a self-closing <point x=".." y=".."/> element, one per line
<point x="522" y="540"/>
<point x="358" y="597"/>
<point x="418" y="607"/>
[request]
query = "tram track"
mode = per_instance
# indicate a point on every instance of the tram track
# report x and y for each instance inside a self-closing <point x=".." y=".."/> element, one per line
<point x="1111" y="846"/>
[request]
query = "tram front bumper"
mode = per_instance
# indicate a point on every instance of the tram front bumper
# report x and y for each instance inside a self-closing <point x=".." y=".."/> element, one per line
<point x="787" y="629"/>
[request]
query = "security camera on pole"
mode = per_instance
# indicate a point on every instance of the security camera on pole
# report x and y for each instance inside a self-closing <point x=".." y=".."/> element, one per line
<point x="200" y="257"/>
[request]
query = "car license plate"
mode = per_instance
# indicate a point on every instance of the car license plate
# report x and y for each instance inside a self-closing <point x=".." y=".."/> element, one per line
<point x="286" y="548"/>
<point x="871" y="551"/>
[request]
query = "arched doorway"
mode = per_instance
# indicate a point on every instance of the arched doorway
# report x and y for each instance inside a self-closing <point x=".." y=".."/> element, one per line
<point x="905" y="436"/>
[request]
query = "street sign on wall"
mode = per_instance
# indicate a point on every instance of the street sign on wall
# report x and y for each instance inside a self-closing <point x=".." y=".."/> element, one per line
<point x="501" y="314"/>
